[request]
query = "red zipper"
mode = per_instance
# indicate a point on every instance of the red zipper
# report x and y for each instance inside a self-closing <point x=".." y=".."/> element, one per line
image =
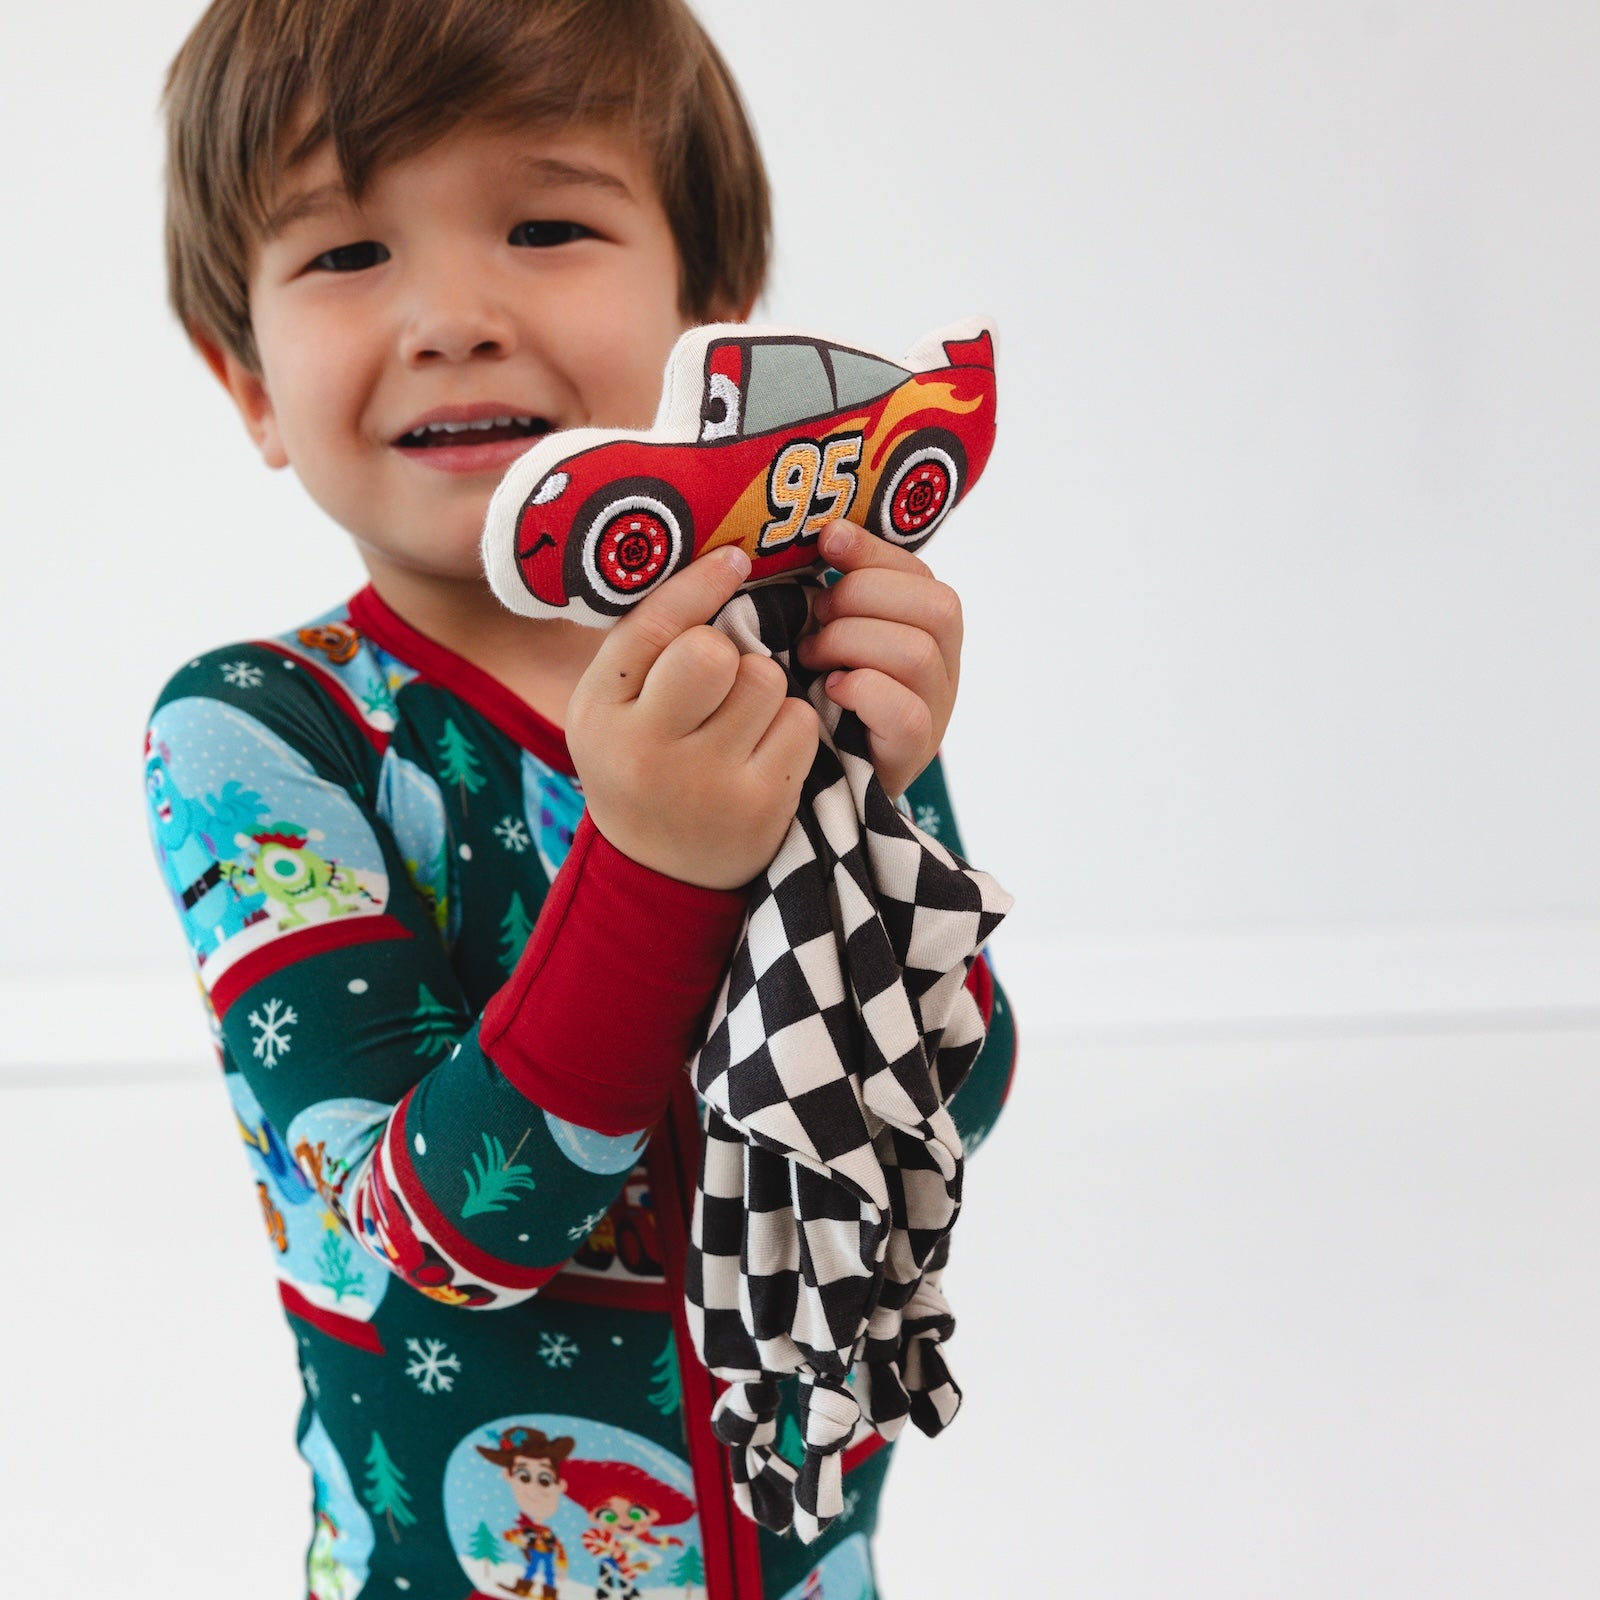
<point x="731" y="1539"/>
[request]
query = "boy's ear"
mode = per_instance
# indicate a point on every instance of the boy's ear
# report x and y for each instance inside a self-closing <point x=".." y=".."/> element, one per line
<point x="249" y="394"/>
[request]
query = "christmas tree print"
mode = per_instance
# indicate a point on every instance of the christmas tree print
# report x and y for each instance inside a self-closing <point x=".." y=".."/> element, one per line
<point x="378" y="700"/>
<point x="435" y="1025"/>
<point x="458" y="762"/>
<point x="386" y="1492"/>
<point x="485" y="1548"/>
<point x="688" y="1570"/>
<point x="333" y="1263"/>
<point x="515" y="926"/>
<point x="494" y="1183"/>
<point x="667" y="1395"/>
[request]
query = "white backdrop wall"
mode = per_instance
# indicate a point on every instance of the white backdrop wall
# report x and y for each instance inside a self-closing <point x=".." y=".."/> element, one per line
<point x="1280" y="709"/>
<point x="1282" y="674"/>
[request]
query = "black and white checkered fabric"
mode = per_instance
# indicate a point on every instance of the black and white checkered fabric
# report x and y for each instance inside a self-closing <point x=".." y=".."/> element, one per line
<point x="831" y="1173"/>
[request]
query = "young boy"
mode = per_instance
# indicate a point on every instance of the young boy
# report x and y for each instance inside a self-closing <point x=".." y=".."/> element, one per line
<point x="459" y="886"/>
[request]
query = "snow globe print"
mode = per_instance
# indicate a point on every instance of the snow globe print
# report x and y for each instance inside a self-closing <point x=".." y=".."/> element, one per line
<point x="557" y="1507"/>
<point x="254" y="847"/>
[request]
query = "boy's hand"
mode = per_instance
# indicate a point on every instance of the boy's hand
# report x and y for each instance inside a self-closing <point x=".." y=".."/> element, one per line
<point x="691" y="756"/>
<point x="895" y="632"/>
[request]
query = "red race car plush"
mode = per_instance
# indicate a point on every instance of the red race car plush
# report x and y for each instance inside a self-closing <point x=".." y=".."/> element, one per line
<point x="762" y="437"/>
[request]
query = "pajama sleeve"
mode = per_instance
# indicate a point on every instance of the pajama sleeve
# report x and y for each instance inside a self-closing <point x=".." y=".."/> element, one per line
<point x="977" y="1104"/>
<point x="468" y="1155"/>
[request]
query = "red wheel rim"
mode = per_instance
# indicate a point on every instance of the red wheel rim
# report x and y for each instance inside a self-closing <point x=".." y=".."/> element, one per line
<point x="633" y="550"/>
<point x="919" y="497"/>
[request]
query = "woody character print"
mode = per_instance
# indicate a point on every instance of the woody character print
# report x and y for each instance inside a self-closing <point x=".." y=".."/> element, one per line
<point x="532" y="1463"/>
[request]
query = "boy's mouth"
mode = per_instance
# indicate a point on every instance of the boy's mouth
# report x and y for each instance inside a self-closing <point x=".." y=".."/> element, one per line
<point x="485" y="430"/>
<point x="478" y="439"/>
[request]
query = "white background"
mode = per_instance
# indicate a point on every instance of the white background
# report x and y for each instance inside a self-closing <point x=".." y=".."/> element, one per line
<point x="1282" y="680"/>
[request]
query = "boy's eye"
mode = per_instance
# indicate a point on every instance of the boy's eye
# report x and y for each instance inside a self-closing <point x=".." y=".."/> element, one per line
<point x="351" y="257"/>
<point x="541" y="235"/>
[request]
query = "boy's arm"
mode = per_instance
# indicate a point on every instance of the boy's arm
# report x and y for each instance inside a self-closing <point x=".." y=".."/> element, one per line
<point x="468" y="1157"/>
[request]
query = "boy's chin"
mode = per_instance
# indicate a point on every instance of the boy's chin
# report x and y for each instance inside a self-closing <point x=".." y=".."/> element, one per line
<point x="442" y="563"/>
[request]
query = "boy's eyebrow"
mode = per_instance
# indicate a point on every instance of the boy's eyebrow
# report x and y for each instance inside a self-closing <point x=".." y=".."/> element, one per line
<point x="557" y="174"/>
<point x="325" y="197"/>
<point x="545" y="170"/>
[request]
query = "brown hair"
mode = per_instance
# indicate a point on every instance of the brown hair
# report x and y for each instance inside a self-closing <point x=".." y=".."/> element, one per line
<point x="259" y="85"/>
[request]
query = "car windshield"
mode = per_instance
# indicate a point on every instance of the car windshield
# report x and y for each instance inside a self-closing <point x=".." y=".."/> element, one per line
<point x="788" y="383"/>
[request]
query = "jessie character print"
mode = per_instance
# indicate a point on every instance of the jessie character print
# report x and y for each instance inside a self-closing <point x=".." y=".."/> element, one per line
<point x="624" y="1504"/>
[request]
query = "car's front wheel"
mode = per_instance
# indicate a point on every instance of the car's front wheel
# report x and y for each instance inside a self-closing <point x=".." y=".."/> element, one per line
<point x="922" y="481"/>
<point x="631" y="537"/>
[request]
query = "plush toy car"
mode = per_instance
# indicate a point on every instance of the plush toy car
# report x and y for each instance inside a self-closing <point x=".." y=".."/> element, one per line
<point x="763" y="436"/>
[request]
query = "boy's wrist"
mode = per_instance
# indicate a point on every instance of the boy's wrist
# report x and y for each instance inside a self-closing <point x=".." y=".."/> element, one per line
<point x="710" y="899"/>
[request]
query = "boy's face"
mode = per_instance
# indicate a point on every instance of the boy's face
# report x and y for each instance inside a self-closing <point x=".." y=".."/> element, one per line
<point x="513" y="280"/>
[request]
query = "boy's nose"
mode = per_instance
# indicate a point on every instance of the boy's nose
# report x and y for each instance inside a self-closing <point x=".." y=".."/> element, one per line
<point x="457" y="327"/>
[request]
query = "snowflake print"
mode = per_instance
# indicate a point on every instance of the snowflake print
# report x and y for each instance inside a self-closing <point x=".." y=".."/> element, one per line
<point x="928" y="819"/>
<point x="512" y="834"/>
<point x="273" y="1039"/>
<point x="580" y="1231"/>
<point x="242" y="674"/>
<point x="313" y="1382"/>
<point x="852" y="1498"/>
<point x="433" y="1365"/>
<point x="556" y="1350"/>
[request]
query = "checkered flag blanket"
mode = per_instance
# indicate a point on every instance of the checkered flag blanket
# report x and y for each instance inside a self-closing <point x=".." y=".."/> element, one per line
<point x="831" y="1172"/>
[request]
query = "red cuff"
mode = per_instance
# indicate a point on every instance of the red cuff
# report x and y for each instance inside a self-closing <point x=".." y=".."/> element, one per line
<point x="606" y="1002"/>
<point x="980" y="980"/>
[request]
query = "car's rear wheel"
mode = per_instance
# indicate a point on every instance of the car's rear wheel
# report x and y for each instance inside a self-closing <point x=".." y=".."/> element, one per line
<point x="631" y="537"/>
<point x="922" y="481"/>
<point x="632" y="1251"/>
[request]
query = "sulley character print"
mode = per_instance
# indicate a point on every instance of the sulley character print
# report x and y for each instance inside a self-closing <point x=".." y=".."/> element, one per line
<point x="216" y="896"/>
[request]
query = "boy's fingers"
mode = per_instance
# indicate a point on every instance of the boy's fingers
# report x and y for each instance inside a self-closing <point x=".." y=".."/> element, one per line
<point x="757" y="693"/>
<point x="689" y="680"/>
<point x="789" y="746"/>
<point x="891" y="712"/>
<point x="910" y="654"/>
<point x="684" y="601"/>
<point x="916" y="602"/>
<point x="850" y="548"/>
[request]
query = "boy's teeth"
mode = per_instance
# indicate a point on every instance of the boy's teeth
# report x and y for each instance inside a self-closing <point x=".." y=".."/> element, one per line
<point x="483" y="424"/>
<point x="434" y="430"/>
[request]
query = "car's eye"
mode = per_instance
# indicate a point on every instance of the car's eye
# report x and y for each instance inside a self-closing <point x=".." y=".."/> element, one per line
<point x="351" y="257"/>
<point x="542" y="235"/>
<point x="719" y="417"/>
